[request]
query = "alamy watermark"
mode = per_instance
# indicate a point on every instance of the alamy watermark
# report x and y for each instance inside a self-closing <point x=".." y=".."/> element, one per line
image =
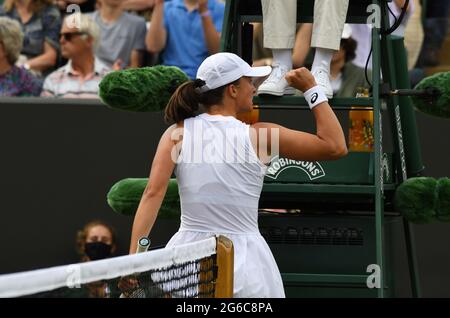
<point x="374" y="17"/>
<point x="73" y="276"/>
<point x="374" y="279"/>
<point x="233" y="145"/>
<point x="73" y="20"/>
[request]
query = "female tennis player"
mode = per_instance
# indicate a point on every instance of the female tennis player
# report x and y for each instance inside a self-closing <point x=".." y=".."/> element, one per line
<point x="220" y="163"/>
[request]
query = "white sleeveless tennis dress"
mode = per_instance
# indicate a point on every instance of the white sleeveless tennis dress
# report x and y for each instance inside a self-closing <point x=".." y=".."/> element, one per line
<point x="220" y="180"/>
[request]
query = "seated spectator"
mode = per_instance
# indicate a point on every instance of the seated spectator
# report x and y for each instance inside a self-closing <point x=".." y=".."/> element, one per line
<point x="97" y="240"/>
<point x="14" y="80"/>
<point x="83" y="72"/>
<point x="122" y="40"/>
<point x="345" y="76"/>
<point x="186" y="31"/>
<point x="144" y="9"/>
<point x="436" y="28"/>
<point x="40" y="21"/>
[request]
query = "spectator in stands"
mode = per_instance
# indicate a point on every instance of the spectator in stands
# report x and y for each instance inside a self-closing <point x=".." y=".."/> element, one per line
<point x="97" y="240"/>
<point x="122" y="40"/>
<point x="186" y="31"/>
<point x="40" y="21"/>
<point x="436" y="27"/>
<point x="345" y="76"/>
<point x="83" y="72"/>
<point x="14" y="80"/>
<point x="144" y="9"/>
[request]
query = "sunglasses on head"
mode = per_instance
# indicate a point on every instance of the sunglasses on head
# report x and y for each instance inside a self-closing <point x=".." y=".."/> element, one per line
<point x="69" y="35"/>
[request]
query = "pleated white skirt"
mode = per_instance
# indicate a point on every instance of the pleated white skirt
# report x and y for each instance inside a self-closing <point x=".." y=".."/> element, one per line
<point x="256" y="274"/>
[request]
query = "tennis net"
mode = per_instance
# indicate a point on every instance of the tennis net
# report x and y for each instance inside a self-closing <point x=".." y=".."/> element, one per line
<point x="195" y="270"/>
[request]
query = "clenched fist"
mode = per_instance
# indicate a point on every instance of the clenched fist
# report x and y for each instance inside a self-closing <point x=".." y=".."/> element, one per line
<point x="301" y="79"/>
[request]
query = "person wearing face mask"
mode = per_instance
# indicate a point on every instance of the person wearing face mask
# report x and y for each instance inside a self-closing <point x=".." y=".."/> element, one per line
<point x="97" y="241"/>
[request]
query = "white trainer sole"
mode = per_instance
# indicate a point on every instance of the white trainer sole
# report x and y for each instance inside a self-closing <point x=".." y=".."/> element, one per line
<point x="287" y="91"/>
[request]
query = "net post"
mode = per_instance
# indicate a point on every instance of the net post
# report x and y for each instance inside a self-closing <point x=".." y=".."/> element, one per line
<point x="225" y="267"/>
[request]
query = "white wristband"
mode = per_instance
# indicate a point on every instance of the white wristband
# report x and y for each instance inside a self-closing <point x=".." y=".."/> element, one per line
<point x="315" y="96"/>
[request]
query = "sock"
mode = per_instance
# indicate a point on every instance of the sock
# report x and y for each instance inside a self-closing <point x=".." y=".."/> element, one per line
<point x="322" y="59"/>
<point x="283" y="57"/>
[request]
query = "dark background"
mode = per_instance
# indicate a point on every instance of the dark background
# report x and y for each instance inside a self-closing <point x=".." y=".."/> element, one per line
<point x="59" y="160"/>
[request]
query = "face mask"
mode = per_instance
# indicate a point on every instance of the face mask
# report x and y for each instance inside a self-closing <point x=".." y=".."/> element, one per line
<point x="97" y="250"/>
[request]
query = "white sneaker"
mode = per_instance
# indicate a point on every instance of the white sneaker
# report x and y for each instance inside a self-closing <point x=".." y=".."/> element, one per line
<point x="276" y="84"/>
<point x="322" y="78"/>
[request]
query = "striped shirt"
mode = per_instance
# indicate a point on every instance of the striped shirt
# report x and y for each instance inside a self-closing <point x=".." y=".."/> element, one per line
<point x="66" y="82"/>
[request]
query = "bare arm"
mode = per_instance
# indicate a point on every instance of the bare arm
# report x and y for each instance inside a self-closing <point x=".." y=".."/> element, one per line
<point x="47" y="93"/>
<point x="136" y="59"/>
<point x="327" y="144"/>
<point x="162" y="168"/>
<point x="212" y="37"/>
<point x="302" y="44"/>
<point x="138" y="5"/>
<point x="401" y="3"/>
<point x="45" y="60"/>
<point x="156" y="37"/>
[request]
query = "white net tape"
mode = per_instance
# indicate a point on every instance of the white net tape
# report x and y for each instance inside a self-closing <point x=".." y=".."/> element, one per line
<point x="36" y="281"/>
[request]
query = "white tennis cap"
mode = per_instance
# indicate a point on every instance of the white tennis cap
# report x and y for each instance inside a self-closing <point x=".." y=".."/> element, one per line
<point x="224" y="68"/>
